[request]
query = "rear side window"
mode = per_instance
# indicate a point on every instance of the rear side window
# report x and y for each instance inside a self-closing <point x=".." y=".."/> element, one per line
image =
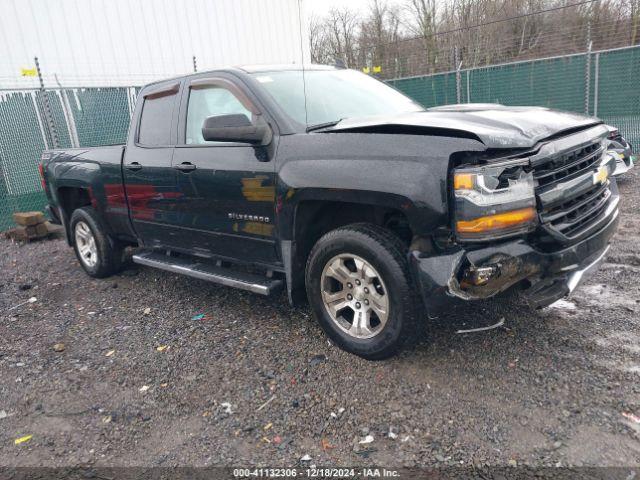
<point x="155" y="122"/>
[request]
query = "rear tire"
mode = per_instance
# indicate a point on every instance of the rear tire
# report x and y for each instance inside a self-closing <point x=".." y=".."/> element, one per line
<point x="98" y="255"/>
<point x="361" y="291"/>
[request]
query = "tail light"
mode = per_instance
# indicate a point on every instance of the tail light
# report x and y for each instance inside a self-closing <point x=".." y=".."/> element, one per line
<point x="41" y="170"/>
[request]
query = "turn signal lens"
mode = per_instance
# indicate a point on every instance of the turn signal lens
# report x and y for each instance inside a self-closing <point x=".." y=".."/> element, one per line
<point x="499" y="221"/>
<point x="463" y="181"/>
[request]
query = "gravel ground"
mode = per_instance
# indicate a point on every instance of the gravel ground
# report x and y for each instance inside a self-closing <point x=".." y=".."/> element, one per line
<point x="141" y="382"/>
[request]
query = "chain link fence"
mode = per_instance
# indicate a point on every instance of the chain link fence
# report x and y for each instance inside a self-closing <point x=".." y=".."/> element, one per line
<point x="602" y="83"/>
<point x="79" y="117"/>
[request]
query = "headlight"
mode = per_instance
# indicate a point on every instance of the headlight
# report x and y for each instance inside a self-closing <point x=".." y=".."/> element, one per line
<point x="494" y="201"/>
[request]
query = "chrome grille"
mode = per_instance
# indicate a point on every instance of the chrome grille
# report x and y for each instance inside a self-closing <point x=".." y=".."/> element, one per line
<point x="582" y="205"/>
<point x="579" y="211"/>
<point x="569" y="165"/>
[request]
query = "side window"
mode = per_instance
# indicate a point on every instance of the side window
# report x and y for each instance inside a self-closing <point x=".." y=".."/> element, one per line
<point x="206" y="102"/>
<point x="155" y="121"/>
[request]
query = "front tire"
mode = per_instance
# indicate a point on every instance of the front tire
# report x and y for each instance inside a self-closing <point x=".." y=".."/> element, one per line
<point x="98" y="255"/>
<point x="360" y="290"/>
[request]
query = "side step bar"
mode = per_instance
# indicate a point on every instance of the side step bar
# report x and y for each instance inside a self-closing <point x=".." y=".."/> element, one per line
<point x="204" y="271"/>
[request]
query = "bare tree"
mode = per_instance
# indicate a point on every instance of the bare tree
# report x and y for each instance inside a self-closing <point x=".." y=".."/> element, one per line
<point x="421" y="21"/>
<point x="334" y="37"/>
<point x="414" y="37"/>
<point x="318" y="42"/>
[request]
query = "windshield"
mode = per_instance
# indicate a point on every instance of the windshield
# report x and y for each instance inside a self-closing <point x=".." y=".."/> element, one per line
<point x="332" y="95"/>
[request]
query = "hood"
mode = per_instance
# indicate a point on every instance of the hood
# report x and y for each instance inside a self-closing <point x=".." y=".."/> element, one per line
<point x="497" y="126"/>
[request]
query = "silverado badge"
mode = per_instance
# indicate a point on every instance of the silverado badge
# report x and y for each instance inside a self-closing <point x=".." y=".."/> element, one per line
<point x="251" y="218"/>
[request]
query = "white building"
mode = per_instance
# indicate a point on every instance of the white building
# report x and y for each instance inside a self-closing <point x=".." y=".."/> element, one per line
<point x="131" y="42"/>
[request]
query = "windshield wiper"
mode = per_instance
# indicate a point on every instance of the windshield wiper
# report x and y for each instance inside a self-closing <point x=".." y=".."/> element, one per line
<point x="320" y="126"/>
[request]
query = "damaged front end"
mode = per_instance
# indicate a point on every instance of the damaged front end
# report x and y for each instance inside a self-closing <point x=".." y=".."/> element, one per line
<point x="481" y="273"/>
<point x="539" y="221"/>
<point x="473" y="275"/>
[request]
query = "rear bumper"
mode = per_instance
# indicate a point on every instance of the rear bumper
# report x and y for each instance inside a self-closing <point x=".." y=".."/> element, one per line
<point x="548" y="276"/>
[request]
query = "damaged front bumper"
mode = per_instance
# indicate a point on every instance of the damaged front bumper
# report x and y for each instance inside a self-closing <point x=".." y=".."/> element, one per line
<point x="484" y="272"/>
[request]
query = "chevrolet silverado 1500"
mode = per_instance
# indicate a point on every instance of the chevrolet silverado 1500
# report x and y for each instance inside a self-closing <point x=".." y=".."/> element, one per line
<point x="344" y="192"/>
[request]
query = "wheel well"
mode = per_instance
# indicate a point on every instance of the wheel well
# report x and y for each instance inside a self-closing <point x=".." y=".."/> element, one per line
<point x="315" y="218"/>
<point x="72" y="198"/>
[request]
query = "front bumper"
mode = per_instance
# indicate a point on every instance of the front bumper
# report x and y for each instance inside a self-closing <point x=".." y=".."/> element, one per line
<point x="547" y="276"/>
<point x="624" y="163"/>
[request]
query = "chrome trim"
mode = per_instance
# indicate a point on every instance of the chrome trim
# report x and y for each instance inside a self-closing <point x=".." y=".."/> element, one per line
<point x="227" y="281"/>
<point x="576" y="186"/>
<point x="576" y="277"/>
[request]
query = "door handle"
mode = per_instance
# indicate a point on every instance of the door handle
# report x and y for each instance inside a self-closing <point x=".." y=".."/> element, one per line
<point x="185" y="167"/>
<point x="133" y="166"/>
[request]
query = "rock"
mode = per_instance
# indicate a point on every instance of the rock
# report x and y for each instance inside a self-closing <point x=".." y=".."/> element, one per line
<point x="28" y="219"/>
<point x="316" y="359"/>
<point x="58" y="347"/>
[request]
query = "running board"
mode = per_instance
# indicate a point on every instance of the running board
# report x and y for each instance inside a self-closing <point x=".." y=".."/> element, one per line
<point x="205" y="271"/>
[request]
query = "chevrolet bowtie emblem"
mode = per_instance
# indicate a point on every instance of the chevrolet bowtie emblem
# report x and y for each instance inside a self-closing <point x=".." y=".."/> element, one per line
<point x="601" y="175"/>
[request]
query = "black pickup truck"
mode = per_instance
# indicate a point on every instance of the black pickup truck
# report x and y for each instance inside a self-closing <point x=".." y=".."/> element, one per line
<point x="344" y="192"/>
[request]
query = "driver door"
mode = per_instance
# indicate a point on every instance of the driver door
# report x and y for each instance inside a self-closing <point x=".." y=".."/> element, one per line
<point x="227" y="201"/>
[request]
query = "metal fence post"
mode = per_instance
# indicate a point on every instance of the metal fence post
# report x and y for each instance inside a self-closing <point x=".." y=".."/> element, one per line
<point x="69" y="118"/>
<point x="468" y="86"/>
<point x="458" y="79"/>
<point x="587" y="80"/>
<point x="595" y="84"/>
<point x="47" y="108"/>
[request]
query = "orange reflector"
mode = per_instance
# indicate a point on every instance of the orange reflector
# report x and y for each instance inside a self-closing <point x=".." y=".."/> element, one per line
<point x="463" y="181"/>
<point x="497" y="221"/>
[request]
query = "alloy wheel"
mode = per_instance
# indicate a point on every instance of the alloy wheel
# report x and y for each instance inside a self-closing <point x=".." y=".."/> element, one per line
<point x="86" y="244"/>
<point x="355" y="296"/>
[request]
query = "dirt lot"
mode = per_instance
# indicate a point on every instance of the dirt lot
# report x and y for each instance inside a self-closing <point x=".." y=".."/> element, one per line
<point x="256" y="382"/>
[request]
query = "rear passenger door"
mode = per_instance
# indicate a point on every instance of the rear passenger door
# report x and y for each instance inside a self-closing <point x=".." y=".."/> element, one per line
<point x="227" y="188"/>
<point x="149" y="179"/>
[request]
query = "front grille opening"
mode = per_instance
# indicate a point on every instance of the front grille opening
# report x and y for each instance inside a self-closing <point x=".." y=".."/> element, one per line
<point x="575" y="202"/>
<point x="578" y="219"/>
<point x="569" y="165"/>
<point x="573" y="216"/>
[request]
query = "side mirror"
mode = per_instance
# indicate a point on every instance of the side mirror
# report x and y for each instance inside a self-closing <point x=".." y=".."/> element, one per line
<point x="235" y="128"/>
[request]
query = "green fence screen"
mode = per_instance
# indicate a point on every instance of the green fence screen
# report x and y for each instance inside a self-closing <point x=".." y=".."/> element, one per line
<point x="82" y="117"/>
<point x="604" y="84"/>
